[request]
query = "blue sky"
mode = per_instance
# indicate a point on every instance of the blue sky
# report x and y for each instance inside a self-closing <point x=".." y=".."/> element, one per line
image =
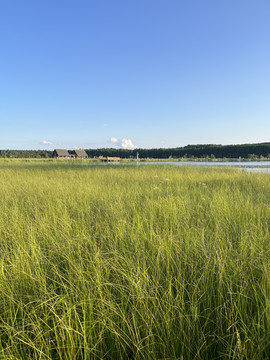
<point x="144" y="73"/>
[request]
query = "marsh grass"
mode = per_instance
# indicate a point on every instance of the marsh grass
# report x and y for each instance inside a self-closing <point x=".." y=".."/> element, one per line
<point x="126" y="262"/>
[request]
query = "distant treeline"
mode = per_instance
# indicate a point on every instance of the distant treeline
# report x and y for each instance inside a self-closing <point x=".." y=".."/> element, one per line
<point x="246" y="151"/>
<point x="25" y="154"/>
<point x="197" y="151"/>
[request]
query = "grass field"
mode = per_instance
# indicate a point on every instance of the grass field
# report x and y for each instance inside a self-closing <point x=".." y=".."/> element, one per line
<point x="126" y="262"/>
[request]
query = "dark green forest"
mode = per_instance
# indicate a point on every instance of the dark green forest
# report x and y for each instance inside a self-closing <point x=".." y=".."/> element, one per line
<point x="245" y="151"/>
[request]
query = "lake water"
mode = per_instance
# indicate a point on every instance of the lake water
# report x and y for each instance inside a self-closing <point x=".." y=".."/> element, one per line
<point x="249" y="166"/>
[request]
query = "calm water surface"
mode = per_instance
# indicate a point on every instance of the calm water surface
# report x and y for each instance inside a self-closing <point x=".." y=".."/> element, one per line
<point x="258" y="166"/>
<point x="249" y="166"/>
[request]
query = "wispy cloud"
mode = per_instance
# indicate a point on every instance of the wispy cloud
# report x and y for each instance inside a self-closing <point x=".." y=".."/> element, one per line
<point x="114" y="140"/>
<point x="46" y="142"/>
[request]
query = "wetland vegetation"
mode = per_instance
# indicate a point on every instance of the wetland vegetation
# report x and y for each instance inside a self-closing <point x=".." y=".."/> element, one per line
<point x="126" y="262"/>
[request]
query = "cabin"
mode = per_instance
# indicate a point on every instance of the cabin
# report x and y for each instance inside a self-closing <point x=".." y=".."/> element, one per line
<point x="80" y="154"/>
<point x="61" y="154"/>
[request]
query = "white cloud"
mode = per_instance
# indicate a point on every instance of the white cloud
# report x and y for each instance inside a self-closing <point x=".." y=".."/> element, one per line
<point x="114" y="140"/>
<point x="127" y="144"/>
<point x="45" y="142"/>
<point x="124" y="143"/>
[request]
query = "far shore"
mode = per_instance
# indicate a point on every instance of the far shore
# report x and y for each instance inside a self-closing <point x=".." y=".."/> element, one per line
<point x="125" y="160"/>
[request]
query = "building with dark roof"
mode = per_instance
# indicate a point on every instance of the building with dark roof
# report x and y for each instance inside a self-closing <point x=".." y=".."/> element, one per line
<point x="61" y="154"/>
<point x="80" y="154"/>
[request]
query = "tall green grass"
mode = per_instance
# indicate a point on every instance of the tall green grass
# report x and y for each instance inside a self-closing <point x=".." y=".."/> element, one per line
<point x="126" y="262"/>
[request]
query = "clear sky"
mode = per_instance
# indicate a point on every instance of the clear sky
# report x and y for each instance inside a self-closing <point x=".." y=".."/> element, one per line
<point x="144" y="73"/>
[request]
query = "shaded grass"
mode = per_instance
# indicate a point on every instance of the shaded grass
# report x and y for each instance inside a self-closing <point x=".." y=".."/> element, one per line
<point x="118" y="262"/>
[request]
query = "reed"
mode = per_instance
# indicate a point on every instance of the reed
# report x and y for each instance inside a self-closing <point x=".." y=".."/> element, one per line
<point x="133" y="262"/>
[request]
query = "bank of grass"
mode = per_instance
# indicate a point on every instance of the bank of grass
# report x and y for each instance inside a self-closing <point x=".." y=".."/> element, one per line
<point x="123" y="262"/>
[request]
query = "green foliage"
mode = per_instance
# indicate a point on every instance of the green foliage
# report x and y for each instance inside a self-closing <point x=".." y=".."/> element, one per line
<point x="126" y="262"/>
<point x="245" y="151"/>
<point x="25" y="154"/>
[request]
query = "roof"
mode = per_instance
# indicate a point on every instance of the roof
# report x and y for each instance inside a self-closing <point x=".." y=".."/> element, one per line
<point x="62" y="152"/>
<point x="80" y="152"/>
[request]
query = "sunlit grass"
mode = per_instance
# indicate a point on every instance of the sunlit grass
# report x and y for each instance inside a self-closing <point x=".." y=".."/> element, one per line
<point x="146" y="262"/>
